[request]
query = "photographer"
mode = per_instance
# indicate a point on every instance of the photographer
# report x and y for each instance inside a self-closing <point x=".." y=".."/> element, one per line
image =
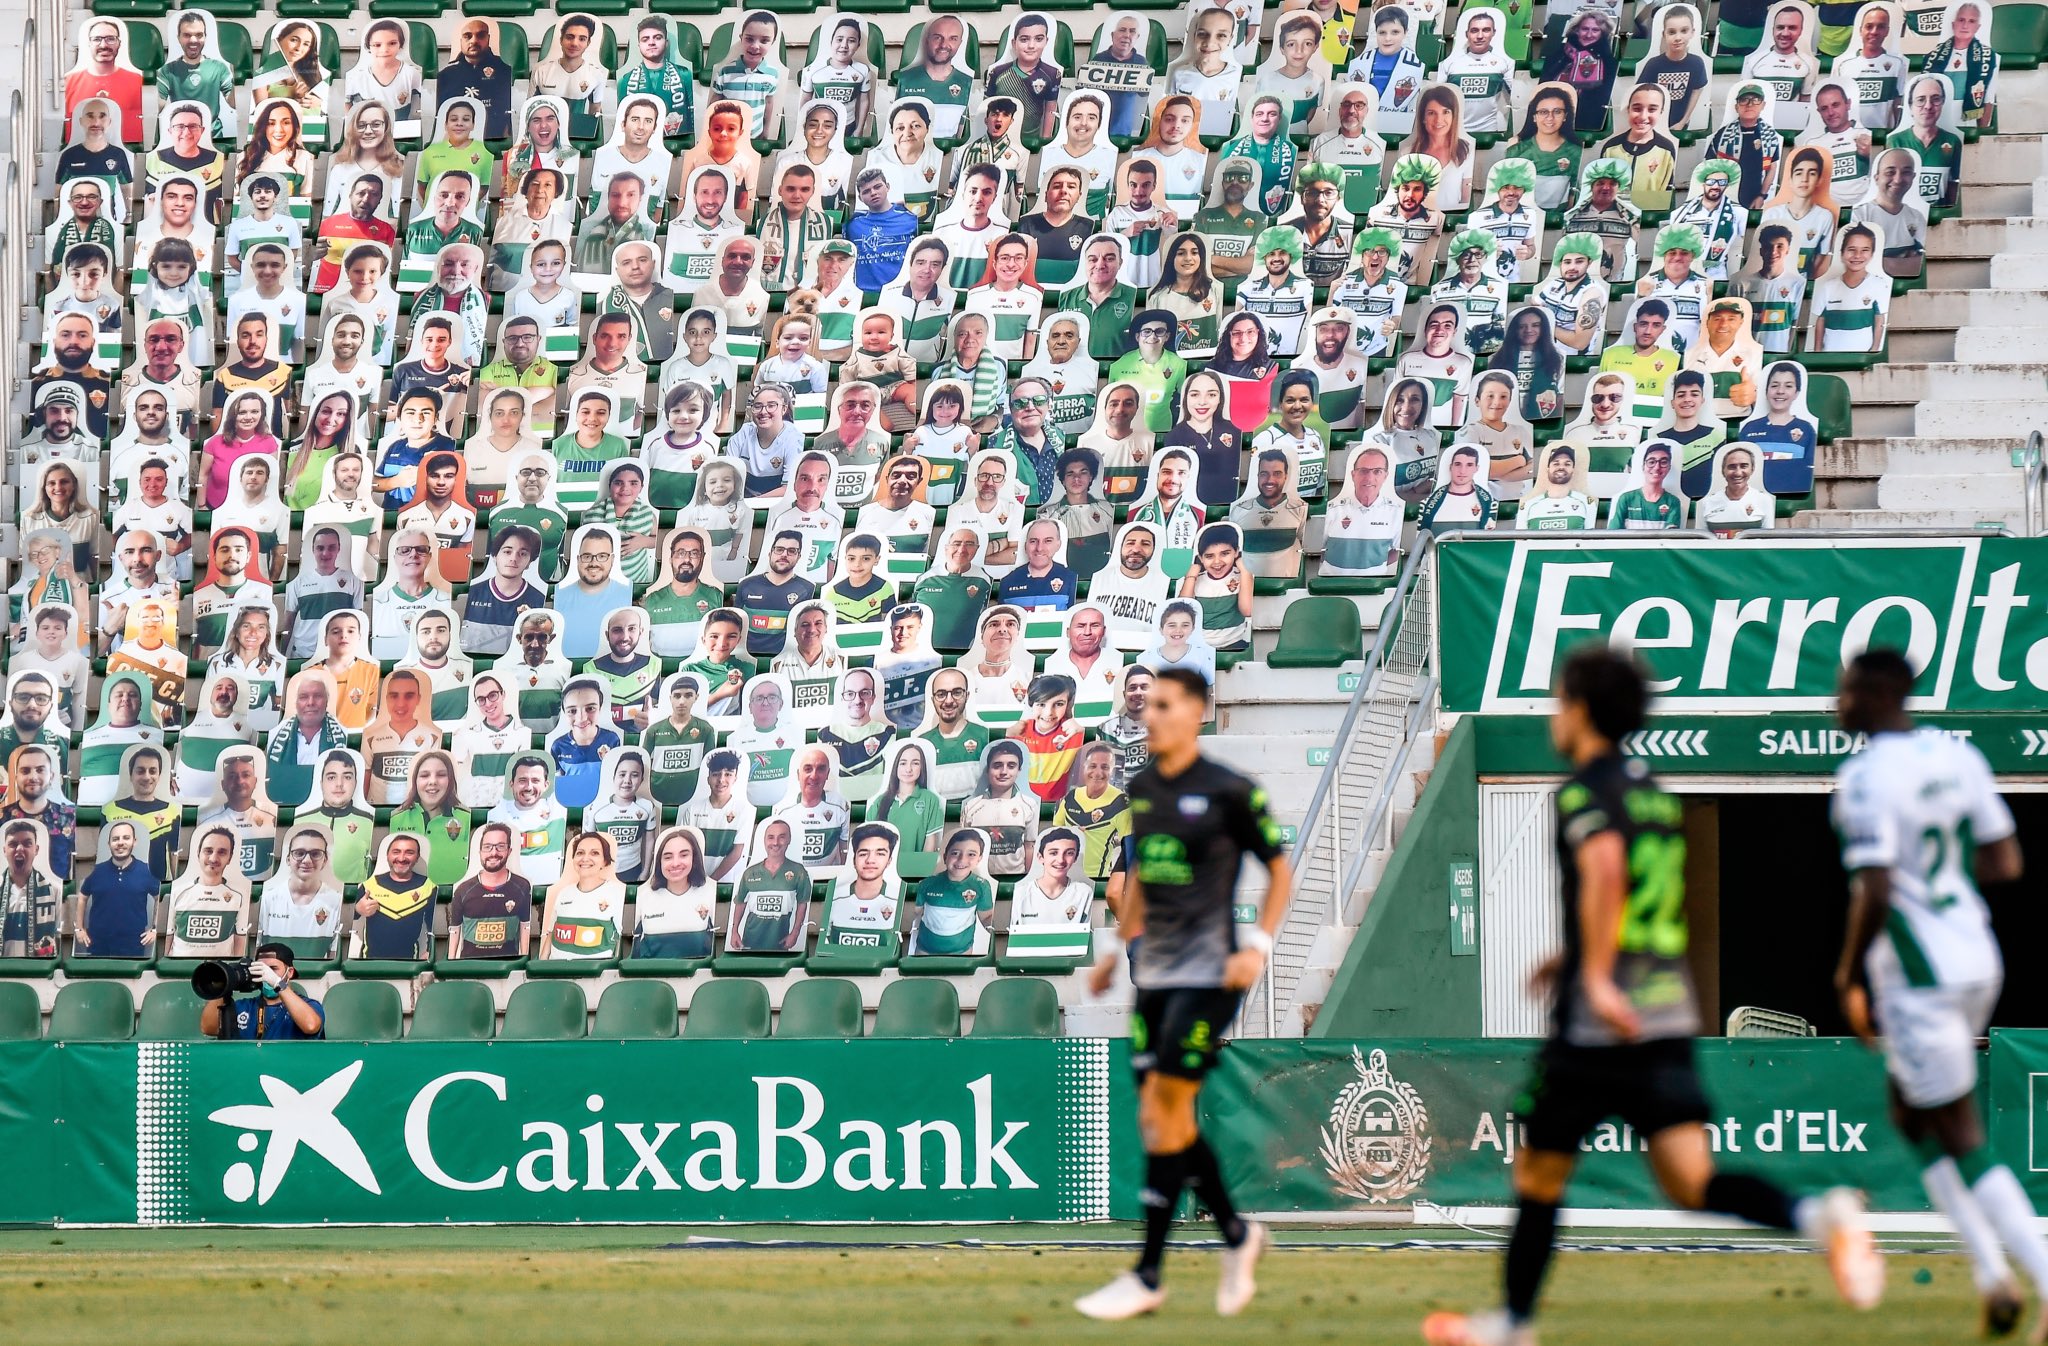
<point x="279" y="1013"/>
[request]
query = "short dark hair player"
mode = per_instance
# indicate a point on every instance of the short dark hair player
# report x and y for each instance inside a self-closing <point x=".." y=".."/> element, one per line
<point x="1194" y="821"/>
<point x="1621" y="1040"/>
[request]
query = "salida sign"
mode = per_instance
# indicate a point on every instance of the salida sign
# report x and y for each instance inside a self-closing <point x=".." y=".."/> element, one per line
<point x="614" y="1132"/>
<point x="1753" y="625"/>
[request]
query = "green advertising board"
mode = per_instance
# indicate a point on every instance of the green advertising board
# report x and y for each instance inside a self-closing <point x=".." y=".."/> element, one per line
<point x="1346" y="1126"/>
<point x="1757" y="625"/>
<point x="1797" y="744"/>
<point x="916" y="1131"/>
<point x="910" y="1131"/>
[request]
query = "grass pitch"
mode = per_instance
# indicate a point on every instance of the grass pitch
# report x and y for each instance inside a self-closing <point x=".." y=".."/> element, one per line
<point x="515" y="1286"/>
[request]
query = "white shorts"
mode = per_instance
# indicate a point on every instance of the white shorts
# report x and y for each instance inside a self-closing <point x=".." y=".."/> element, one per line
<point x="1930" y="1038"/>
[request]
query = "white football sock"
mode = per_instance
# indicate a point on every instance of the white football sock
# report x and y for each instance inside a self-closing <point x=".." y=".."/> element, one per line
<point x="2006" y="1205"/>
<point x="1952" y="1197"/>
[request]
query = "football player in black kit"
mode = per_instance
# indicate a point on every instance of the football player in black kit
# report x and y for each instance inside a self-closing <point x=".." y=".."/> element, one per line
<point x="1193" y="823"/>
<point x="1625" y="1017"/>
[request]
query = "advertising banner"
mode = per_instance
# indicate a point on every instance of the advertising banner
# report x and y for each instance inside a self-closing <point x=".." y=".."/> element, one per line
<point x="1746" y="626"/>
<point x="1339" y="1126"/>
<point x="1794" y="744"/>
<point x="942" y="1131"/>
<point x="911" y="1131"/>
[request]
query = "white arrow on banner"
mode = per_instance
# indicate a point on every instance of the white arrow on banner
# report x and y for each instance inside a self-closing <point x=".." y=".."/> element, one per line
<point x="2036" y="743"/>
<point x="1686" y="743"/>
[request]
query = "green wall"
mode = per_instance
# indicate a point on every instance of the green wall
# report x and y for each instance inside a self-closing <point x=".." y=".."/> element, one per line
<point x="1399" y="977"/>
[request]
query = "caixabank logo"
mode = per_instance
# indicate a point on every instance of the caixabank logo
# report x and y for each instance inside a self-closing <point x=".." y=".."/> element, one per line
<point x="621" y="1132"/>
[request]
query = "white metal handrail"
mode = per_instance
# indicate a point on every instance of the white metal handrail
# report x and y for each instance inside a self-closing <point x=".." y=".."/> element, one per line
<point x="1332" y="818"/>
<point x="2034" y="475"/>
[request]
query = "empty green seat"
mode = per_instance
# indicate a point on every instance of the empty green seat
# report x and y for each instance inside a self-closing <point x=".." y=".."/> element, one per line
<point x="918" y="1008"/>
<point x="21" y="1012"/>
<point x="822" y="1007"/>
<point x="453" y="1011"/>
<point x="2019" y="34"/>
<point x="145" y="44"/>
<point x="728" y="1009"/>
<point x="1017" y="1007"/>
<point x="361" y="1011"/>
<point x="92" y="1011"/>
<point x="1318" y="633"/>
<point x="235" y="47"/>
<point x="546" y="1011"/>
<point x="636" y="1009"/>
<point x="1827" y="397"/>
<point x="170" y="1013"/>
<point x="501" y="9"/>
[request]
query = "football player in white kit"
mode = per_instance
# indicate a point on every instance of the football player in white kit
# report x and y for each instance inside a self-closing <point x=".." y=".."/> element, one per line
<point x="1921" y="821"/>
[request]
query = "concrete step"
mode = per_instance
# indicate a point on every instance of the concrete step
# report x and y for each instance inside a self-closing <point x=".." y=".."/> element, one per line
<point x="1951" y="520"/>
<point x="1870" y="457"/>
<point x="1957" y="309"/>
<point x="1986" y="491"/>
<point x="1997" y="200"/>
<point x="1974" y="239"/>
<point x="2019" y="271"/>
<point x="1845" y="492"/>
<point x="1976" y="419"/>
<point x="2003" y="159"/>
<point x="1919" y="382"/>
<point x="1997" y="344"/>
<point x="2029" y="235"/>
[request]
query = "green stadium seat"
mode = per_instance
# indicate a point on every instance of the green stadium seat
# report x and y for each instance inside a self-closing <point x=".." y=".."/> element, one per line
<point x="546" y="1011"/>
<point x="920" y="1008"/>
<point x="27" y="967"/>
<point x="361" y="1011"/>
<point x="146" y="44"/>
<point x="636" y="1009"/>
<point x="823" y="1007"/>
<point x="2019" y="34"/>
<point x="728" y="1009"/>
<point x="1318" y="633"/>
<point x="132" y="9"/>
<point x="235" y="47"/>
<point x="170" y="1013"/>
<point x="517" y="49"/>
<point x="1017" y="1007"/>
<point x="92" y="1011"/>
<point x="501" y="9"/>
<point x="21" y="1012"/>
<point x="453" y="1011"/>
<point x="1827" y="397"/>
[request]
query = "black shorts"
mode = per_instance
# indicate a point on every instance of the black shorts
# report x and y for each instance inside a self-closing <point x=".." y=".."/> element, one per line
<point x="1178" y="1031"/>
<point x="1648" y="1085"/>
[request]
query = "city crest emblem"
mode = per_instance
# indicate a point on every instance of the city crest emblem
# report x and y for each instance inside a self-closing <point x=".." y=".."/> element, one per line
<point x="1376" y="1143"/>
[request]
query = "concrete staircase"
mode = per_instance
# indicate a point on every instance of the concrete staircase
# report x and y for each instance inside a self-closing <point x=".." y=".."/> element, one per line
<point x="1968" y="379"/>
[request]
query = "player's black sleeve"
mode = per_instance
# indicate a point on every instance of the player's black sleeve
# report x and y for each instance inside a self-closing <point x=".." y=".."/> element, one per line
<point x="1257" y="833"/>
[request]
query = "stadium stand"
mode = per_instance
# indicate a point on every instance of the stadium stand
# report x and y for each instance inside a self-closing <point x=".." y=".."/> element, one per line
<point x="668" y="514"/>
